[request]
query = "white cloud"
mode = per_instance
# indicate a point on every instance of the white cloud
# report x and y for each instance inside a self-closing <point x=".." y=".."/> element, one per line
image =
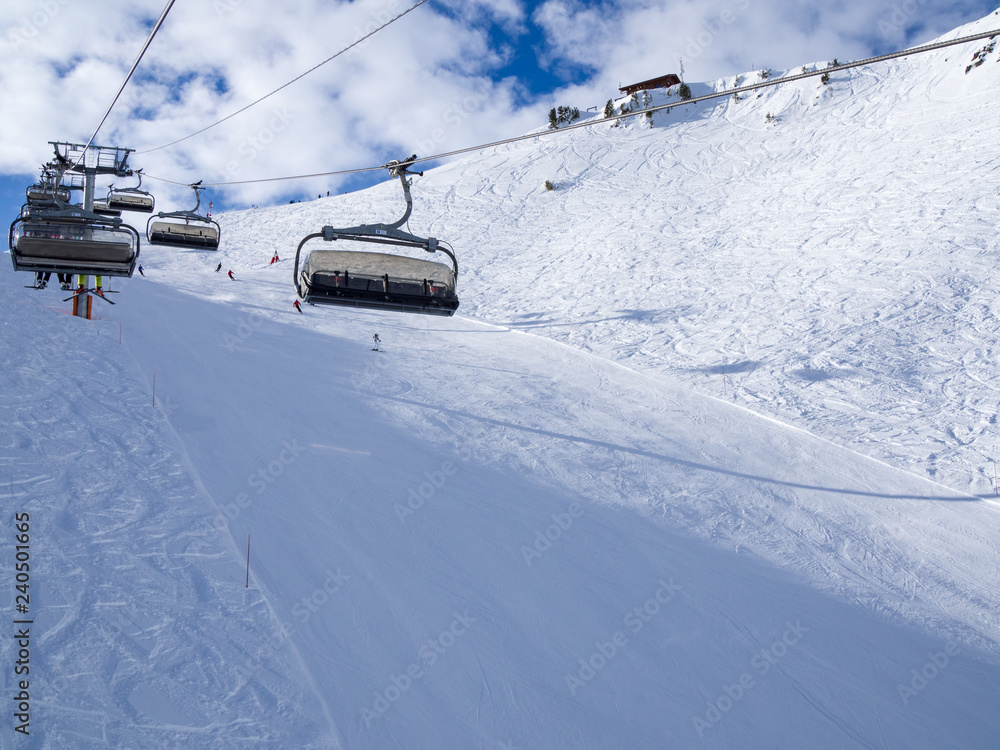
<point x="428" y="83"/>
<point x="422" y="83"/>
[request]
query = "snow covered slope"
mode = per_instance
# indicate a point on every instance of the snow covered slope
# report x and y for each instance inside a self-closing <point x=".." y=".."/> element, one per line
<point x="549" y="521"/>
<point x="835" y="268"/>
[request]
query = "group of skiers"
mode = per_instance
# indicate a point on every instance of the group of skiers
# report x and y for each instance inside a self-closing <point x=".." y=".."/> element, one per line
<point x="274" y="259"/>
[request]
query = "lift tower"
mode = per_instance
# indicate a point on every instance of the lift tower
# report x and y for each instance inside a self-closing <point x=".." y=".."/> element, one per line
<point x="79" y="159"/>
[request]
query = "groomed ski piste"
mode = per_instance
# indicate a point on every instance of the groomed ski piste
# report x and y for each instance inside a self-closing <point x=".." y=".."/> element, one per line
<point x="703" y="460"/>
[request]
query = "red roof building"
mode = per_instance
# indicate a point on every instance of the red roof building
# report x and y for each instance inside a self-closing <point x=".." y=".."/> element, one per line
<point x="662" y="82"/>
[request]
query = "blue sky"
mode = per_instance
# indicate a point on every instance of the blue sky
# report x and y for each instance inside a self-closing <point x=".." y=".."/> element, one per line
<point x="448" y="75"/>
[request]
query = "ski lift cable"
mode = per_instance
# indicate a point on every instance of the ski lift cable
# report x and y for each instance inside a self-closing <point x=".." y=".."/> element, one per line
<point x="601" y="120"/>
<point x="285" y="85"/>
<point x="149" y="40"/>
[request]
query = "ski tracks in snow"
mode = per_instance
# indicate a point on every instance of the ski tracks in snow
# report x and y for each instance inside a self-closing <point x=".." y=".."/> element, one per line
<point x="146" y="635"/>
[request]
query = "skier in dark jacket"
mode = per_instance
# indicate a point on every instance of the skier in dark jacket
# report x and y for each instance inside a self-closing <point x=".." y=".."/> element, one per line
<point x="218" y="268"/>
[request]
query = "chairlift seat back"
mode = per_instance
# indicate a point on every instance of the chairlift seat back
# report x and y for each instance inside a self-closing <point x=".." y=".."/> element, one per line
<point x="184" y="235"/>
<point x="72" y="248"/>
<point x="378" y="281"/>
<point x="105" y="209"/>
<point x="42" y="195"/>
<point x="125" y="201"/>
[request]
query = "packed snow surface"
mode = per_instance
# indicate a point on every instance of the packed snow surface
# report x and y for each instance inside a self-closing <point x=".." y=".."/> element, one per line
<point x="705" y="458"/>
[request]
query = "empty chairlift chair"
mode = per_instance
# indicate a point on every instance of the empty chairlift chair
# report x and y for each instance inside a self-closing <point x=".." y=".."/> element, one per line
<point x="379" y="281"/>
<point x="184" y="228"/>
<point x="41" y="194"/>
<point x="131" y="199"/>
<point x="102" y="208"/>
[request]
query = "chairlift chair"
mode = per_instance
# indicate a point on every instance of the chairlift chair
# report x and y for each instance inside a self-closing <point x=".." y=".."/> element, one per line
<point x="104" y="209"/>
<point x="131" y="199"/>
<point x="41" y="194"/>
<point x="196" y="230"/>
<point x="379" y="281"/>
<point x="54" y="189"/>
<point x="73" y="241"/>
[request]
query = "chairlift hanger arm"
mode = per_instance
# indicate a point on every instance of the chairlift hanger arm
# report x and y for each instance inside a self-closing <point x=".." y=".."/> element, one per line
<point x="386" y="234"/>
<point x="193" y="213"/>
<point x="298" y="252"/>
<point x="134" y="188"/>
<point x="451" y="254"/>
<point x="399" y="169"/>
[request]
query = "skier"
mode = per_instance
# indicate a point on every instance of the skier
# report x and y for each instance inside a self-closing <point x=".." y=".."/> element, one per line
<point x="297" y="305"/>
<point x="140" y="271"/>
<point x="275" y="258"/>
<point x="376" y="340"/>
<point x="231" y="274"/>
<point x="218" y="268"/>
<point x="42" y="280"/>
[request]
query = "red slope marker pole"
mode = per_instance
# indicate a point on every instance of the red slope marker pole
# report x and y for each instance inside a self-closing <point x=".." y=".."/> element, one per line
<point x="248" y="561"/>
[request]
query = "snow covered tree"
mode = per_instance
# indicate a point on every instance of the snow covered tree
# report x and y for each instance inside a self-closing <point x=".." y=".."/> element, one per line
<point x="623" y="120"/>
<point x="684" y="91"/>
<point x="562" y="116"/>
